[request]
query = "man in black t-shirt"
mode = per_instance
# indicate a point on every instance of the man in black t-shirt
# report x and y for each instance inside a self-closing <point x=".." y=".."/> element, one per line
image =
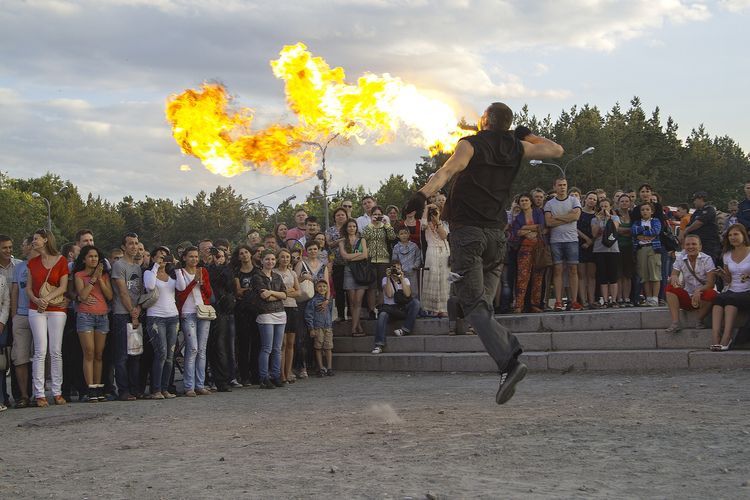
<point x="703" y="223"/>
<point x="484" y="166"/>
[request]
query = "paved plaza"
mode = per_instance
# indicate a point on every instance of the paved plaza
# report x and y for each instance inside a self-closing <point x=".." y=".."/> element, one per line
<point x="380" y="435"/>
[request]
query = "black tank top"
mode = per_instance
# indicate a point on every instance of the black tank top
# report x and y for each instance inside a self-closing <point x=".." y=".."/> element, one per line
<point x="480" y="192"/>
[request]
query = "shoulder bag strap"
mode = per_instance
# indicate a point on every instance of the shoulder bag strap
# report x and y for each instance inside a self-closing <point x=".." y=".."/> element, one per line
<point x="692" y="271"/>
<point x="46" y="280"/>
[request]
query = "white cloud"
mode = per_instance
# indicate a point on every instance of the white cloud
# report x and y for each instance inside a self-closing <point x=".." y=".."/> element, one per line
<point x="735" y="5"/>
<point x="94" y="127"/>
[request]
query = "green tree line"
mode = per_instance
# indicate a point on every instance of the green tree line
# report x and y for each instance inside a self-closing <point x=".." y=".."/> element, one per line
<point x="631" y="148"/>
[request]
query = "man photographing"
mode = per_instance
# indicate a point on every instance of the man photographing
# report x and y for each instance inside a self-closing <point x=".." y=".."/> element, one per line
<point x="484" y="166"/>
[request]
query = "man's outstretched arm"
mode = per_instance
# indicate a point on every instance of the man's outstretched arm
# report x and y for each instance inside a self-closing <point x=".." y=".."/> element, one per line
<point x="455" y="164"/>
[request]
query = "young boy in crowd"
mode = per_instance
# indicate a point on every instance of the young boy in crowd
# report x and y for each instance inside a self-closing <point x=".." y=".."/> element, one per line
<point x="683" y="215"/>
<point x="408" y="254"/>
<point x="319" y="319"/>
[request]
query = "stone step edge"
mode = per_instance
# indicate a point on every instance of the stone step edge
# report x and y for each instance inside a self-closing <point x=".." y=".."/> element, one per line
<point x="562" y="361"/>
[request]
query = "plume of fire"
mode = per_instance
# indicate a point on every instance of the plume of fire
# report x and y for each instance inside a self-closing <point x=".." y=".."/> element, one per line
<point x="205" y="127"/>
<point x="378" y="108"/>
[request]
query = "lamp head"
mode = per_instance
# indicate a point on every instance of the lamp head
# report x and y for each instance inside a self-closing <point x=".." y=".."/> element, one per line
<point x="588" y="150"/>
<point x="535" y="162"/>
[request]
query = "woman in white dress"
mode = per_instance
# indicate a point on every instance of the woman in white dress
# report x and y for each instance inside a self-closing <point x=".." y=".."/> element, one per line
<point x="435" y="288"/>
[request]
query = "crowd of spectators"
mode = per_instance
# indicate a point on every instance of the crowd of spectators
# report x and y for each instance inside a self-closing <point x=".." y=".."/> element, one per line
<point x="120" y="325"/>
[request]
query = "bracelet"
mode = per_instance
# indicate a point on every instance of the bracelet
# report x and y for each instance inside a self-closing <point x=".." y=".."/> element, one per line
<point x="92" y="281"/>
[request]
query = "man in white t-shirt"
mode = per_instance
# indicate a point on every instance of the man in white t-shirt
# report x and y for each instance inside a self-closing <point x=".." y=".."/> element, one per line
<point x="364" y="220"/>
<point x="394" y="282"/>
<point x="561" y="215"/>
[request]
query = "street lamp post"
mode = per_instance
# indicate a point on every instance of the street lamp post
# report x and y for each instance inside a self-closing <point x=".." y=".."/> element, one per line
<point x="276" y="210"/>
<point x="323" y="174"/>
<point x="49" y="210"/>
<point x="563" y="170"/>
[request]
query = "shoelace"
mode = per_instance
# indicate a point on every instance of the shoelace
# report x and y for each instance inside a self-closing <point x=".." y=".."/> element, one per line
<point x="503" y="376"/>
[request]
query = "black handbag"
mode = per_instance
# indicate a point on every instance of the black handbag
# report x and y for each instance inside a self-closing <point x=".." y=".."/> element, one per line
<point x="363" y="271"/>
<point x="668" y="240"/>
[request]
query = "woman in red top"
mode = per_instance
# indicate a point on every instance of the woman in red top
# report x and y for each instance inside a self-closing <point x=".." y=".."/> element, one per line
<point x="47" y="313"/>
<point x="92" y="322"/>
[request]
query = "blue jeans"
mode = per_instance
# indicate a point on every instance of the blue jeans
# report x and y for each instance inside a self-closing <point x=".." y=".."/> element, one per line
<point x="126" y="367"/>
<point x="163" y="335"/>
<point x="271" y="337"/>
<point x="478" y="254"/>
<point x="195" y="332"/>
<point x="389" y="312"/>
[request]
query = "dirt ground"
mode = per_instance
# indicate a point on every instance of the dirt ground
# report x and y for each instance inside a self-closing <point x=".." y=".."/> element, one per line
<point x="360" y="435"/>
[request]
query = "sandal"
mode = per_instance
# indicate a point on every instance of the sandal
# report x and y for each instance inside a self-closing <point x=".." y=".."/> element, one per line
<point x="59" y="400"/>
<point x="42" y="403"/>
<point x="719" y="347"/>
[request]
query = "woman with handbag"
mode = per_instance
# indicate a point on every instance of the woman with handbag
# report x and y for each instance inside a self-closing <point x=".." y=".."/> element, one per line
<point x="289" y="277"/>
<point x="353" y="249"/>
<point x="625" y="245"/>
<point x="269" y="293"/>
<point x="92" y="319"/>
<point x="196" y="313"/>
<point x="162" y="319"/>
<point x="334" y="235"/>
<point x="606" y="251"/>
<point x="586" y="262"/>
<point x="47" y="282"/>
<point x="528" y="229"/>
<point x="309" y="270"/>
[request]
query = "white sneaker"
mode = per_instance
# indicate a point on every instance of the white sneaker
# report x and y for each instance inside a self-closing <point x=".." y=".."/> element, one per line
<point x="398" y="332"/>
<point x="377" y="350"/>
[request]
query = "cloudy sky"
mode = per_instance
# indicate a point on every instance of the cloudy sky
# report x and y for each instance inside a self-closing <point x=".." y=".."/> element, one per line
<point x="83" y="83"/>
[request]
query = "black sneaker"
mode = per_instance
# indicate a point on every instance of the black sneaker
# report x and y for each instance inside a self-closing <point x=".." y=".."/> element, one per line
<point x="276" y="382"/>
<point x="330" y="372"/>
<point x="508" y="381"/>
<point x="224" y="388"/>
<point x="266" y="384"/>
<point x="322" y="372"/>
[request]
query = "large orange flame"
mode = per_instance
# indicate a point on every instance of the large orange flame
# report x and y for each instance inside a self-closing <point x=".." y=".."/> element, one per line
<point x="377" y="108"/>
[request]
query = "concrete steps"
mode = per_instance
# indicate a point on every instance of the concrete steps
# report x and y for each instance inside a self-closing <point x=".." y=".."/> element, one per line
<point x="599" y="360"/>
<point x="605" y="340"/>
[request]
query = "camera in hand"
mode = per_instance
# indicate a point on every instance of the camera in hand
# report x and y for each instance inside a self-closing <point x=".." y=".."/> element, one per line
<point x="168" y="259"/>
<point x="395" y="271"/>
<point x="214" y="251"/>
<point x="432" y="212"/>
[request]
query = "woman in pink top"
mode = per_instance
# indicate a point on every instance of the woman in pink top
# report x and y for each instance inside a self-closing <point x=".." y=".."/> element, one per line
<point x="92" y="322"/>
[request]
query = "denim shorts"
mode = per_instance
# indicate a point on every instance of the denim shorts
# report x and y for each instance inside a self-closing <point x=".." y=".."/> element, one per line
<point x="566" y="251"/>
<point x="86" y="322"/>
